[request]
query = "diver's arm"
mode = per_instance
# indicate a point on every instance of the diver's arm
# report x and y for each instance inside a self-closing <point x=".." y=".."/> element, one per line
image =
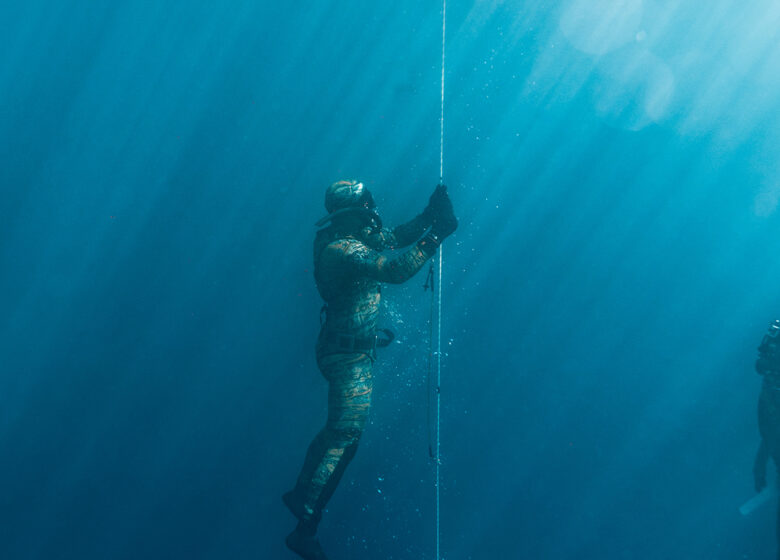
<point x="353" y="258"/>
<point x="759" y="466"/>
<point x="444" y="223"/>
<point x="401" y="268"/>
<point x="406" y="234"/>
<point x="357" y="259"/>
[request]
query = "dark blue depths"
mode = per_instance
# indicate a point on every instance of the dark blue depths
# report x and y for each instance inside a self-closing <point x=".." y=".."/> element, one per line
<point x="614" y="167"/>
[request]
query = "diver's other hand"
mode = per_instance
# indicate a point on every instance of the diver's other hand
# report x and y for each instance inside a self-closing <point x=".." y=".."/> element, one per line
<point x="438" y="201"/>
<point x="439" y="196"/>
<point x="759" y="476"/>
<point x="445" y="223"/>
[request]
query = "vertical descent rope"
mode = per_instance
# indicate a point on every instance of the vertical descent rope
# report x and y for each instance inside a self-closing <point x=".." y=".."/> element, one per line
<point x="441" y="114"/>
<point x="438" y="322"/>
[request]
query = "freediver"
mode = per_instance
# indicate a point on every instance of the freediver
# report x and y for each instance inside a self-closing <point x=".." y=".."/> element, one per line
<point x="768" y="365"/>
<point x="349" y="270"/>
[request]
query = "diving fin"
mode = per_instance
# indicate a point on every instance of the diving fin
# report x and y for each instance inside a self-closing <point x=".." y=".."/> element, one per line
<point x="305" y="546"/>
<point x="769" y="492"/>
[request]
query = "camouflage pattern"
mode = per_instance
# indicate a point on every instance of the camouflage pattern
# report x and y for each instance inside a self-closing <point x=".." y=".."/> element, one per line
<point x="349" y="274"/>
<point x="349" y="400"/>
<point x="349" y="270"/>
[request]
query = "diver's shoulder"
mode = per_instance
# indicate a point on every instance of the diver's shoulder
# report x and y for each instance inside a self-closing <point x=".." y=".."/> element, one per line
<point x="345" y="248"/>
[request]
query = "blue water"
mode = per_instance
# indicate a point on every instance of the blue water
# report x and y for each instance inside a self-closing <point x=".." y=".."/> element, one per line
<point x="614" y="165"/>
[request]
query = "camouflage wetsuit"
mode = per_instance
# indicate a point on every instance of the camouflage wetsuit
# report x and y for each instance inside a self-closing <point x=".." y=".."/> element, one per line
<point x="349" y="274"/>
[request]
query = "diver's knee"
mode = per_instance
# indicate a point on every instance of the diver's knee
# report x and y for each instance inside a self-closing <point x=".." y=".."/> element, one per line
<point x="350" y="436"/>
<point x="342" y="437"/>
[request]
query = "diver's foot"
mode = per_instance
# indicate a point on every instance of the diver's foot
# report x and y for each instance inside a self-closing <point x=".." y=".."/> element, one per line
<point x="305" y="546"/>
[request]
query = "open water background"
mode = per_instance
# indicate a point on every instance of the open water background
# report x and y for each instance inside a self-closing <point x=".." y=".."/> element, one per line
<point x="614" y="165"/>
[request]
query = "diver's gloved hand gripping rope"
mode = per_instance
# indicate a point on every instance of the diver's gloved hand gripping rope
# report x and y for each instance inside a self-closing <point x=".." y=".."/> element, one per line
<point x="443" y="221"/>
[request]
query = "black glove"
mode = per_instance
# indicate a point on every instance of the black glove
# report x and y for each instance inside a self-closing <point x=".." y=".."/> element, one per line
<point x="444" y="220"/>
<point x="436" y="203"/>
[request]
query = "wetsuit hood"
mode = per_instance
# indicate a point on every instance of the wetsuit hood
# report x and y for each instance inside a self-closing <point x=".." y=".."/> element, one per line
<point x="348" y="199"/>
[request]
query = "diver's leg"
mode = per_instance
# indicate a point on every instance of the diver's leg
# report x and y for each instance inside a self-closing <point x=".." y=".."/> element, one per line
<point x="295" y="498"/>
<point x="349" y="401"/>
<point x="349" y="404"/>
